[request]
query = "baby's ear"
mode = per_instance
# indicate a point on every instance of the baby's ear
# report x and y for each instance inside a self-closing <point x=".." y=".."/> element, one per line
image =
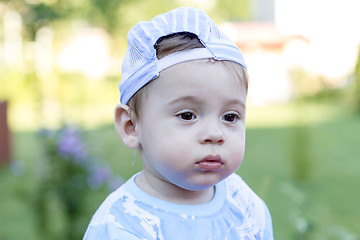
<point x="125" y="127"/>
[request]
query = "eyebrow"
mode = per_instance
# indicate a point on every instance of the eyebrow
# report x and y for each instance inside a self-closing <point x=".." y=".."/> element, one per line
<point x="196" y="100"/>
<point x="184" y="99"/>
<point x="237" y="102"/>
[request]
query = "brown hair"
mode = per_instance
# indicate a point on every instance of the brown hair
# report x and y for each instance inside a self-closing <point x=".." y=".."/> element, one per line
<point x="176" y="42"/>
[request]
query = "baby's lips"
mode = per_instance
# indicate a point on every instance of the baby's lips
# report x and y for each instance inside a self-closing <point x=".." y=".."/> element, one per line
<point x="210" y="163"/>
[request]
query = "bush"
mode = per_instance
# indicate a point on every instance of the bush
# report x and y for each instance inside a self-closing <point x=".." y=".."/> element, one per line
<point x="70" y="175"/>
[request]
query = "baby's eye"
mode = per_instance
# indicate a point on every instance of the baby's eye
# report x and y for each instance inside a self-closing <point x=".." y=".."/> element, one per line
<point x="231" y="117"/>
<point x="187" y="116"/>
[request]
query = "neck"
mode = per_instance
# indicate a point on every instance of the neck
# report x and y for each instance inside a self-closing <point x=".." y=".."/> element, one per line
<point x="171" y="193"/>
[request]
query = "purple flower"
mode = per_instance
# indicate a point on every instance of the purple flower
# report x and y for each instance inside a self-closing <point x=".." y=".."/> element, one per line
<point x="98" y="177"/>
<point x="70" y="145"/>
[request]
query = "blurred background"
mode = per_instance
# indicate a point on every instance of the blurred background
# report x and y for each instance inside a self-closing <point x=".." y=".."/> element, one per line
<point x="60" y="64"/>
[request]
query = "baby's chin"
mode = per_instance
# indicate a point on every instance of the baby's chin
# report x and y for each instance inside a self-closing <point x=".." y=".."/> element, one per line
<point x="205" y="184"/>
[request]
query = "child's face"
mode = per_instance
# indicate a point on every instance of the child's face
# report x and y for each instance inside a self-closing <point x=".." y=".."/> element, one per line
<point x="192" y="125"/>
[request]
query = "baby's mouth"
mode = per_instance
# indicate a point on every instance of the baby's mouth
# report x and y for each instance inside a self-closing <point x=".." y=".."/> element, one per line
<point x="210" y="163"/>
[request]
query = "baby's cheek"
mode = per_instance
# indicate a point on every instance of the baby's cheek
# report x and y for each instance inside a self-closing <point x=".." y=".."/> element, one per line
<point x="175" y="143"/>
<point x="176" y="152"/>
<point x="238" y="156"/>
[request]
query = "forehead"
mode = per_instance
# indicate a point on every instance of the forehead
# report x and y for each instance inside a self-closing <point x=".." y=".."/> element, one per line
<point x="199" y="78"/>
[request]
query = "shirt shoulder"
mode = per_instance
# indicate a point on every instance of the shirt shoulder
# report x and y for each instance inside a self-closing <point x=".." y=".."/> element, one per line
<point x="238" y="191"/>
<point x="123" y="214"/>
<point x="102" y="214"/>
<point x="108" y="211"/>
<point x="253" y="207"/>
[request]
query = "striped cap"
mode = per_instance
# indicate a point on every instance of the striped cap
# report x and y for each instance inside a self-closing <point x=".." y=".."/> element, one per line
<point x="140" y="64"/>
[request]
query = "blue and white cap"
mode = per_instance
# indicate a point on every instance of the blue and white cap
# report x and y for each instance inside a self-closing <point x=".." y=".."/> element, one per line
<point x="140" y="64"/>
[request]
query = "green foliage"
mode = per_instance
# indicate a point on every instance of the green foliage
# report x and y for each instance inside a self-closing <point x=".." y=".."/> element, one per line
<point x="105" y="14"/>
<point x="357" y="85"/>
<point x="70" y="176"/>
<point x="315" y="88"/>
<point x="131" y="12"/>
<point x="233" y="9"/>
<point x="39" y="13"/>
<point x="305" y="84"/>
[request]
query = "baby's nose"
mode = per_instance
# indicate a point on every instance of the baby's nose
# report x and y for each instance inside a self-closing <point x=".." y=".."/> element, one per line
<point x="212" y="133"/>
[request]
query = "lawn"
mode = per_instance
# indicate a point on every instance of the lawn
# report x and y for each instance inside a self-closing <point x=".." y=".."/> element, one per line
<point x="306" y="171"/>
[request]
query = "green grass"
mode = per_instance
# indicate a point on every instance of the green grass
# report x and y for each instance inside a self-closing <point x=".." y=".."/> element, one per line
<point x="306" y="175"/>
<point x="327" y="197"/>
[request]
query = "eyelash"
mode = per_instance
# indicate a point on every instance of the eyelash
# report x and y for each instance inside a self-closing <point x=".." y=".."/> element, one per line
<point x="234" y="117"/>
<point x="185" y="116"/>
<point x="189" y="116"/>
